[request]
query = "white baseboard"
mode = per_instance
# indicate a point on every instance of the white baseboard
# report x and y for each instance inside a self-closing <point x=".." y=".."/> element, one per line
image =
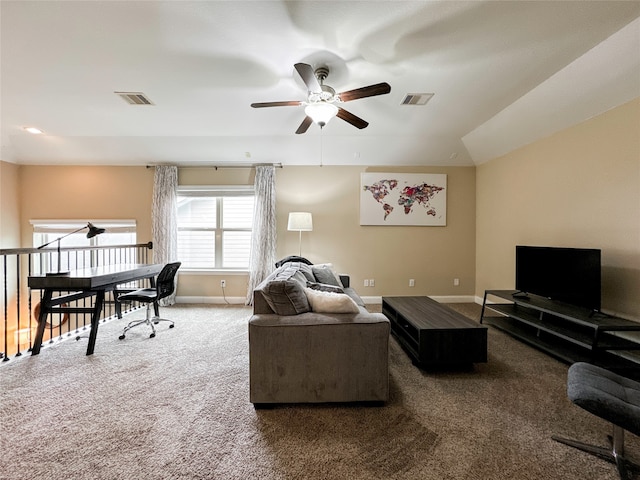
<point x="455" y="298"/>
<point x="372" y="300"/>
<point x="214" y="300"/>
<point x="437" y="298"/>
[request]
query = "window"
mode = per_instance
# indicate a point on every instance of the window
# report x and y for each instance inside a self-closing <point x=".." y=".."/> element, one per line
<point x="214" y="227"/>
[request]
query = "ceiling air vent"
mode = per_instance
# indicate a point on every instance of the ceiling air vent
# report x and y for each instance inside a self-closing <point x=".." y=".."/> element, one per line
<point x="134" y="98"/>
<point x="416" y="98"/>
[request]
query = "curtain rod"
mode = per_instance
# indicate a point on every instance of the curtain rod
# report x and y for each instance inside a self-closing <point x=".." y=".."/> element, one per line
<point x="239" y="165"/>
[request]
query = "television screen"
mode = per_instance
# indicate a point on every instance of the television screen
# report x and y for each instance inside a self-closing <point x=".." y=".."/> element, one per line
<point x="570" y="275"/>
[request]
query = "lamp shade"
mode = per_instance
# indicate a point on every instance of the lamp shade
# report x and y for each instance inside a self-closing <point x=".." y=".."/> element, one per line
<point x="93" y="230"/>
<point x="300" y="222"/>
<point x="321" y="112"/>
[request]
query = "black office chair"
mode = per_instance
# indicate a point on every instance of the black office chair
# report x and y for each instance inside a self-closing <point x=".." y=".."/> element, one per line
<point x="165" y="285"/>
<point x="612" y="397"/>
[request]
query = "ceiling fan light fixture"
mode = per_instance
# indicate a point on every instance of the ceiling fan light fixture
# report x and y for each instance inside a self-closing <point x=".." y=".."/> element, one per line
<point x="321" y="112"/>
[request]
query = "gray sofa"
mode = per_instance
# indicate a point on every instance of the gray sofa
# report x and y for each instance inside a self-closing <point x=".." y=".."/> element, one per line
<point x="304" y="349"/>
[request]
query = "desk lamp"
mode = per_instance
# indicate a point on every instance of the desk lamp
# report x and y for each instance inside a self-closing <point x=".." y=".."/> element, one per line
<point x="93" y="231"/>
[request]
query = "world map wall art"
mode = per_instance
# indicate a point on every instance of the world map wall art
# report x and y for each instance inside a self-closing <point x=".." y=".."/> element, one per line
<point x="401" y="199"/>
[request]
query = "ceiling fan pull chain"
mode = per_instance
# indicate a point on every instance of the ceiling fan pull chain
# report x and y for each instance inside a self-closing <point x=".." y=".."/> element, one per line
<point x="321" y="147"/>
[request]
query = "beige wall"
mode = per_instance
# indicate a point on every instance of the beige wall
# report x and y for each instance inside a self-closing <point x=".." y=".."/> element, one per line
<point x="433" y="256"/>
<point x="10" y="203"/>
<point x="577" y="188"/>
<point x="85" y="193"/>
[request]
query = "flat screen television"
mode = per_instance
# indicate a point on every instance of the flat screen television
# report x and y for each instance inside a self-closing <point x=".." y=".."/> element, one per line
<point x="570" y="275"/>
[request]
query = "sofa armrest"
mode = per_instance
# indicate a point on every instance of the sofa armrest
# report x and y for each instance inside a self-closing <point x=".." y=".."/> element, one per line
<point x="260" y="304"/>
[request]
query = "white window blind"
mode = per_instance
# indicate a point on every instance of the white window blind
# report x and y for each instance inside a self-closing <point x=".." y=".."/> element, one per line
<point x="214" y="227"/>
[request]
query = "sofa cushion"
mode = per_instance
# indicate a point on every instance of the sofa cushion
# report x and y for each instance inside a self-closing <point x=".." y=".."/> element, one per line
<point x="330" y="302"/>
<point x="284" y="291"/>
<point x="324" y="273"/>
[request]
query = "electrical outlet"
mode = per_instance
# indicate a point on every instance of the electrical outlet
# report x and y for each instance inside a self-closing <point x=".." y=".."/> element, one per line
<point x="456" y="282"/>
<point x="372" y="282"/>
<point x="412" y="282"/>
<point x="366" y="282"/>
<point x="223" y="283"/>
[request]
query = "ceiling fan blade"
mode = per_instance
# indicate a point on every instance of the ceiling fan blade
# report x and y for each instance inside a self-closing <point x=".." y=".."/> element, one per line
<point x="308" y="77"/>
<point x="304" y="126"/>
<point x="370" y="91"/>
<point x="292" y="103"/>
<point x="351" y="118"/>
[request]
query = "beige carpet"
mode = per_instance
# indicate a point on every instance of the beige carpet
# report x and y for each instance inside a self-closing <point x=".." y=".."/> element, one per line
<point x="176" y="407"/>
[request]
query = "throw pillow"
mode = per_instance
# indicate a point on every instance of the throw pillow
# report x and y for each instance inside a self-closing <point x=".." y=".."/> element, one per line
<point x="324" y="273"/>
<point x="323" y="287"/>
<point x="286" y="297"/>
<point x="329" y="302"/>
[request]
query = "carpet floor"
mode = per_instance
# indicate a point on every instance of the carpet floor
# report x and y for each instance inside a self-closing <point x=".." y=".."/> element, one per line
<point x="177" y="407"/>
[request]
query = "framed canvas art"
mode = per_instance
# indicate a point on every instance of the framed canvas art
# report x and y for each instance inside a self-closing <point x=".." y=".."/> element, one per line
<point x="403" y="199"/>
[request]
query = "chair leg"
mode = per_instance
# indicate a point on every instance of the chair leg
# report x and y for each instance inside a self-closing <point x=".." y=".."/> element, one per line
<point x="617" y="450"/>
<point x="614" y="454"/>
<point x="157" y="319"/>
<point x="148" y="321"/>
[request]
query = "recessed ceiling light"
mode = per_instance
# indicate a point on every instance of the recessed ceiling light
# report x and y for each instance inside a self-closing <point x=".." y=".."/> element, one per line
<point x="34" y="130"/>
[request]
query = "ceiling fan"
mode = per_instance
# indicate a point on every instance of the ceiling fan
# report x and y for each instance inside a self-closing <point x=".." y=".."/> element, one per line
<point x="320" y="106"/>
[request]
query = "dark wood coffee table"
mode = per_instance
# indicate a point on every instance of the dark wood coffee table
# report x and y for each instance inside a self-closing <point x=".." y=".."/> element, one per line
<point x="433" y="334"/>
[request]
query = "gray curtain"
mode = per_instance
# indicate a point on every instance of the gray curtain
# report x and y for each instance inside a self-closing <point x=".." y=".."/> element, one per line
<point x="263" y="238"/>
<point x="164" y="219"/>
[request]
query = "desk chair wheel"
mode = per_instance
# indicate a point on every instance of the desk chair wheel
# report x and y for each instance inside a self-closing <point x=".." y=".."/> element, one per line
<point x="156" y="322"/>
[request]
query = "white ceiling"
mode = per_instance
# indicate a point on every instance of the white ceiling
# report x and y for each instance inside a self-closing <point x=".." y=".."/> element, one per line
<point x="504" y="74"/>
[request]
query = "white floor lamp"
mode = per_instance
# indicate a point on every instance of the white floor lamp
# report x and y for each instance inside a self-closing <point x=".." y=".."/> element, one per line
<point x="300" y="222"/>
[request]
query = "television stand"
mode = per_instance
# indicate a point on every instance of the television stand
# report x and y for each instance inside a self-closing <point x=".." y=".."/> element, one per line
<point x="568" y="333"/>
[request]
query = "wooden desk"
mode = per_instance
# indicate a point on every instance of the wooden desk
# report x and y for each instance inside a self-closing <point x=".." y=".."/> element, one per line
<point x="84" y="283"/>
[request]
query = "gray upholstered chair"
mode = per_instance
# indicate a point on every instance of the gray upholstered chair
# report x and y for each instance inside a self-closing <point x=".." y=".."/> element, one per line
<point x="609" y="396"/>
<point x="164" y="286"/>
